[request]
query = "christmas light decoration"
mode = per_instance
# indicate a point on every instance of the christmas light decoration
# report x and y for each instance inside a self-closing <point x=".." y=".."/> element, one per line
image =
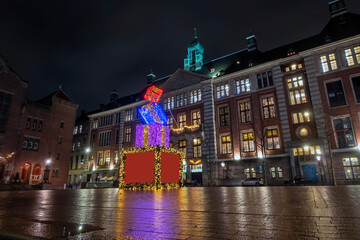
<point x="152" y="135"/>
<point x="151" y="164"/>
<point x="182" y="129"/>
<point x="157" y="182"/>
<point x="153" y="94"/>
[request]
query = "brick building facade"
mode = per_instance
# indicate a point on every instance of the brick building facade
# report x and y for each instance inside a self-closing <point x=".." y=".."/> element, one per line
<point x="36" y="135"/>
<point x="262" y="114"/>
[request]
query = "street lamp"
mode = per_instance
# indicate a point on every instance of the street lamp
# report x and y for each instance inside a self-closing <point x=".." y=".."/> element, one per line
<point x="222" y="164"/>
<point x="87" y="150"/>
<point x="47" y="171"/>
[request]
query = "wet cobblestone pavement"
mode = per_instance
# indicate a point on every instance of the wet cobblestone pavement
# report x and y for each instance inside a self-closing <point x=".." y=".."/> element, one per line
<point x="299" y="212"/>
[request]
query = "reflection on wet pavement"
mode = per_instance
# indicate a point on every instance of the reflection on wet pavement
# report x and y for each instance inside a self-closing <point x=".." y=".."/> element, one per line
<point x="303" y="212"/>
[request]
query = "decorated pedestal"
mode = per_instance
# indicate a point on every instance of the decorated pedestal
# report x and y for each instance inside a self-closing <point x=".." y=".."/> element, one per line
<point x="151" y="164"/>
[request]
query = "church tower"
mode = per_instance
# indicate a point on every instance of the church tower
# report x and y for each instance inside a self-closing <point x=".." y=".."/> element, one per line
<point x="195" y="56"/>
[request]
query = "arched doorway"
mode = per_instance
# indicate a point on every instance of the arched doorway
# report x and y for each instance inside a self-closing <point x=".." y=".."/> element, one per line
<point x="25" y="174"/>
<point x="36" y="174"/>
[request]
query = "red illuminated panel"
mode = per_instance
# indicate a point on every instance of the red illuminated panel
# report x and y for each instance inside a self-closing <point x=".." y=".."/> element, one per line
<point x="153" y="94"/>
<point x="139" y="167"/>
<point x="169" y="167"/>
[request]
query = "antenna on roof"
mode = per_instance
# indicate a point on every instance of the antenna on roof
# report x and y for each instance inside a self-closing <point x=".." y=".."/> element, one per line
<point x="195" y="33"/>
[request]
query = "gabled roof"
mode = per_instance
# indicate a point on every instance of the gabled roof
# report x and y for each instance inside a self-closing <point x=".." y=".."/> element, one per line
<point x="59" y="93"/>
<point x="181" y="79"/>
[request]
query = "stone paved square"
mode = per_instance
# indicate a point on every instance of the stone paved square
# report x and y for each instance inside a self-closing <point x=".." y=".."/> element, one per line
<point x="298" y="212"/>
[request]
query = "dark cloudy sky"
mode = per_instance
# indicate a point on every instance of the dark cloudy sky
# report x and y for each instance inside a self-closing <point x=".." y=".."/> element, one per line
<point x="92" y="47"/>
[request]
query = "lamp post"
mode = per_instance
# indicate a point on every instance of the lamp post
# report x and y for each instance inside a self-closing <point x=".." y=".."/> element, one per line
<point x="47" y="171"/>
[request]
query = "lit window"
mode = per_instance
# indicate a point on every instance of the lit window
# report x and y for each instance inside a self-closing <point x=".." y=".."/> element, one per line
<point x="128" y="134"/>
<point x="349" y="57"/>
<point x="182" y="120"/>
<point x="226" y="145"/>
<point x="195" y="96"/>
<point x="182" y="147"/>
<point x="224" y="116"/>
<point x="100" y="158"/>
<point x="242" y="86"/>
<point x="296" y="90"/>
<point x="222" y="91"/>
<point x="276" y="172"/>
<point x="268" y="106"/>
<point x="293" y="67"/>
<point x="328" y="62"/>
<point x="300" y="117"/>
<point x="245" y="112"/>
<point x="351" y="168"/>
<point x="272" y="139"/>
<point x="128" y="115"/>
<point x="248" y="142"/>
<point x="116" y="158"/>
<point x="357" y="54"/>
<point x="196" y="117"/>
<point x="107" y="158"/>
<point x="250" y="172"/>
<point x="197" y="147"/>
<point x="170" y="123"/>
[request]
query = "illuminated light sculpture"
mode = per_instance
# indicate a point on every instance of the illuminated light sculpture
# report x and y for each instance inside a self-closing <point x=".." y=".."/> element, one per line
<point x="153" y="94"/>
<point x="151" y="164"/>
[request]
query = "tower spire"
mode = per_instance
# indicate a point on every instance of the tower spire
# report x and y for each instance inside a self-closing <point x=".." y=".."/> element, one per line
<point x="195" y="33"/>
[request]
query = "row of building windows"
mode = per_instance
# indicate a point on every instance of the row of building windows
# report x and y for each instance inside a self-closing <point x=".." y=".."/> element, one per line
<point x="108" y="120"/>
<point x="180" y="100"/>
<point x="336" y="94"/>
<point x="75" y="164"/>
<point x="328" y="61"/>
<point x="34" y="124"/>
<point x="242" y="86"/>
<point x="31" y="143"/>
<point x="104" y="158"/>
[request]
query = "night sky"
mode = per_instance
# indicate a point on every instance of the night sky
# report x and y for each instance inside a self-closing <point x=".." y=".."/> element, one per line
<point x="92" y="47"/>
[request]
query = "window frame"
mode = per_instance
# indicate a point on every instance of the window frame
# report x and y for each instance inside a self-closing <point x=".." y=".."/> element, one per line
<point x="249" y="111"/>
<point x="268" y="106"/>
<point x="128" y="134"/>
<point x="272" y="137"/>
<point x="242" y="83"/>
<point x="248" y="140"/>
<point x="196" y="121"/>
<point x="181" y="123"/>
<point x="335" y="131"/>
<point x="197" y="147"/>
<point x="228" y="114"/>
<point x="327" y="93"/>
<point x="229" y="150"/>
